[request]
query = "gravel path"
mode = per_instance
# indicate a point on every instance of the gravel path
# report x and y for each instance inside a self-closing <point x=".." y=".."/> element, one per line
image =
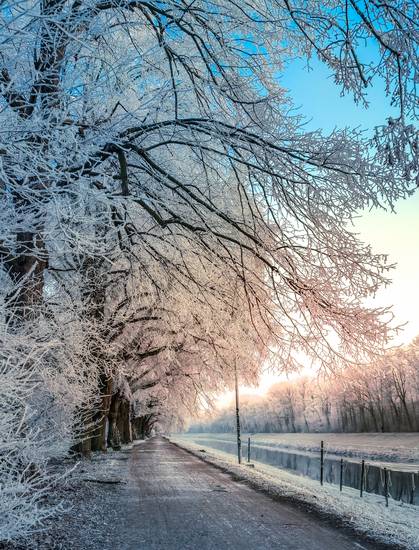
<point x="160" y="497"/>
<point x="176" y="501"/>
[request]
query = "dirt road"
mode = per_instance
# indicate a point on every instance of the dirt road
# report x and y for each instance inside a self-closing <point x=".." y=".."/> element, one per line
<point x="176" y="501"/>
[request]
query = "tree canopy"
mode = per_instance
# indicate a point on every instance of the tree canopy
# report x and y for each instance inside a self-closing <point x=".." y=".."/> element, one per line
<point x="165" y="215"/>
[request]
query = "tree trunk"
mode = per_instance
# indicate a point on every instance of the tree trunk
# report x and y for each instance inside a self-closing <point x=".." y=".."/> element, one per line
<point x="114" y="435"/>
<point x="98" y="441"/>
<point x="124" y="421"/>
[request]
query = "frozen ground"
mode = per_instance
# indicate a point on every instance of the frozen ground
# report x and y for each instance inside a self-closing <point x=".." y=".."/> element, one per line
<point x="388" y="447"/>
<point x="89" y="497"/>
<point x="156" y="496"/>
<point x="396" y="525"/>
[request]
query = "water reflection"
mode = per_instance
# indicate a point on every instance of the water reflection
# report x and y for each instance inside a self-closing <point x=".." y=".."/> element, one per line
<point x="403" y="485"/>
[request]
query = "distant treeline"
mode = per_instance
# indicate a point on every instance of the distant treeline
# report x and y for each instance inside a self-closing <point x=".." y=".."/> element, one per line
<point x="380" y="397"/>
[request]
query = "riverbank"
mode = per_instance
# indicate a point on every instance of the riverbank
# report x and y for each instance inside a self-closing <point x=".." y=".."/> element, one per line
<point x="396" y="526"/>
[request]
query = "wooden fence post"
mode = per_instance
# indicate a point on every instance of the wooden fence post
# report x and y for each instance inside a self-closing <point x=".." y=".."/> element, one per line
<point x="321" y="462"/>
<point x="341" y="475"/>
<point x="412" y="490"/>
<point x="361" y="486"/>
<point x="386" y="486"/>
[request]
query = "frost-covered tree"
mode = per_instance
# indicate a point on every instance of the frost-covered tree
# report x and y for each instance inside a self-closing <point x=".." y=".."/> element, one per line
<point x="164" y="209"/>
<point x="119" y="97"/>
<point x="382" y="396"/>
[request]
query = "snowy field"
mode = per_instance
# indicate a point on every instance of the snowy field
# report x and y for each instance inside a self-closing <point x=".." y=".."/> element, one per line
<point x="390" y="447"/>
<point x="396" y="525"/>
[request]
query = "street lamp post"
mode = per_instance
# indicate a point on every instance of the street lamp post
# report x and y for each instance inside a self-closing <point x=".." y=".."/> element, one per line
<point x="239" y="443"/>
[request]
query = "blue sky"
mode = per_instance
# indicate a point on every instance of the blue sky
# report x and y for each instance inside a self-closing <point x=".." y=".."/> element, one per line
<point x="319" y="99"/>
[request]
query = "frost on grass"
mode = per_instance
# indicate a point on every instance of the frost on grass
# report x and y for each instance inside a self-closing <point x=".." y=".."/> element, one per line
<point x="41" y="396"/>
<point x="398" y="524"/>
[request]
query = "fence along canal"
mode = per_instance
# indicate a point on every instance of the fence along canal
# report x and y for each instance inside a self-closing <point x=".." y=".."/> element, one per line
<point x="402" y="481"/>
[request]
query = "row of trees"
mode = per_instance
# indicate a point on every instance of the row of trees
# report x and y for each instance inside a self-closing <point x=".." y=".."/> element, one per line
<point x="165" y="216"/>
<point x="380" y="397"/>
